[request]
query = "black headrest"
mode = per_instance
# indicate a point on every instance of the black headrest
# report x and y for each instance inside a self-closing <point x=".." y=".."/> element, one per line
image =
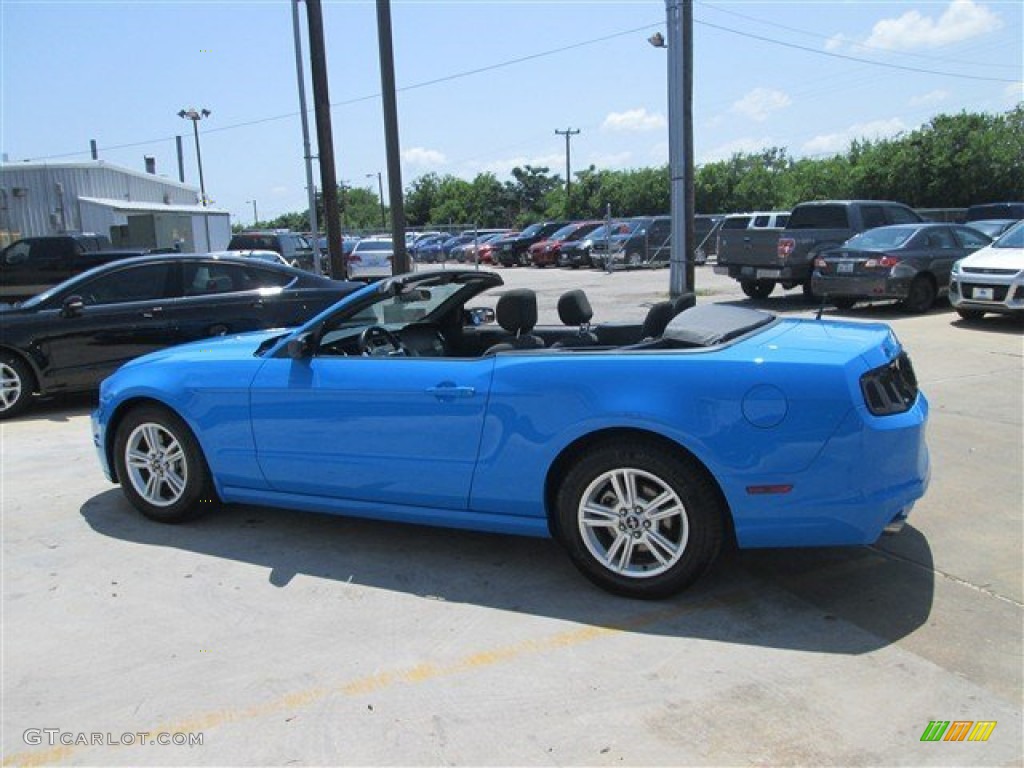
<point x="517" y="310"/>
<point x="574" y="308"/>
<point x="684" y="301"/>
<point x="658" y="317"/>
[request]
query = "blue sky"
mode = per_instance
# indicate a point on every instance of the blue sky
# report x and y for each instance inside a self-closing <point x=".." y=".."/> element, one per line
<point x="808" y="76"/>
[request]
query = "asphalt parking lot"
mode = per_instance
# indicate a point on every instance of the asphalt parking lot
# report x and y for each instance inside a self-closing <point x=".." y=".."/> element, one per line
<point x="283" y="638"/>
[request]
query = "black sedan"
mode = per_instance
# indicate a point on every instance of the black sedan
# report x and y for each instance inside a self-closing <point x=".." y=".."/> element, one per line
<point x="908" y="262"/>
<point x="72" y="336"/>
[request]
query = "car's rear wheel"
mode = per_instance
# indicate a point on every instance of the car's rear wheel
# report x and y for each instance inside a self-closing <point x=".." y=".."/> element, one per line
<point x="920" y="295"/>
<point x="161" y="466"/>
<point x="757" y="289"/>
<point x="639" y="521"/>
<point x="970" y="315"/>
<point x="16" y="385"/>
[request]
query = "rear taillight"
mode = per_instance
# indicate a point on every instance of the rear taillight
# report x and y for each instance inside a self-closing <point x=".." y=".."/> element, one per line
<point x="885" y="262"/>
<point x="891" y="388"/>
<point x="820" y="263"/>
<point x="786" y="247"/>
<point x="354" y="259"/>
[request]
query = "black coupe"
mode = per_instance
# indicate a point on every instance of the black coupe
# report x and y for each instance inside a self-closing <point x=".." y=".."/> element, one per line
<point x="72" y="336"/>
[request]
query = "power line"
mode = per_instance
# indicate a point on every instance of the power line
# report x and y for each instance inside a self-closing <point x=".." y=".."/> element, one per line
<point x="551" y="52"/>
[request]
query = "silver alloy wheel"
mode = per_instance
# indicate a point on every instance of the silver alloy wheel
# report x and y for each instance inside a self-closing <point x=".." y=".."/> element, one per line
<point x="633" y="523"/>
<point x="157" y="468"/>
<point x="10" y="386"/>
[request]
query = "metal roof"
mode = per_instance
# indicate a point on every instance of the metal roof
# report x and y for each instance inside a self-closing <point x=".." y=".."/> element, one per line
<point x="133" y="205"/>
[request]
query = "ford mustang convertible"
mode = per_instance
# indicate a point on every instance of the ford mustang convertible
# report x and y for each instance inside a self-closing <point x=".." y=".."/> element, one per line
<point x="641" y="448"/>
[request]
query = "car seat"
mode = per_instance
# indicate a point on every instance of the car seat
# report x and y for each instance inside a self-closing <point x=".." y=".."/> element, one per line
<point x="516" y="313"/>
<point x="574" y="309"/>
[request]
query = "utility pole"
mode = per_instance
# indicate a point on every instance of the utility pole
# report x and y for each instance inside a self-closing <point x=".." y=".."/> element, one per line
<point x="568" y="133"/>
<point x="314" y="226"/>
<point x="679" y="17"/>
<point x="400" y="259"/>
<point x="380" y="192"/>
<point x="324" y="136"/>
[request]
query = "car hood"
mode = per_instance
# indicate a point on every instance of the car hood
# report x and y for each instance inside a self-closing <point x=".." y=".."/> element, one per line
<point x="995" y="258"/>
<point x="219" y="348"/>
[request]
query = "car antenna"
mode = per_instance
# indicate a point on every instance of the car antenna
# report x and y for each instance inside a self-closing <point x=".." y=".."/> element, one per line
<point x="821" y="307"/>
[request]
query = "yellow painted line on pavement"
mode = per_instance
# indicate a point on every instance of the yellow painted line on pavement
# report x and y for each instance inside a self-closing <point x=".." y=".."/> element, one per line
<point x="420" y="673"/>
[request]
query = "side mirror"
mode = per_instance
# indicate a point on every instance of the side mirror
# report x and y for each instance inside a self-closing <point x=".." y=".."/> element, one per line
<point x="480" y="315"/>
<point x="72" y="306"/>
<point x="300" y="347"/>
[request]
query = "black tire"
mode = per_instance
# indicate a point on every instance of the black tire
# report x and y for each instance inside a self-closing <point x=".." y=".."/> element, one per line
<point x="168" y="431"/>
<point x="844" y="302"/>
<point x="970" y="315"/>
<point x="695" y="527"/>
<point x="920" y="295"/>
<point x="810" y="297"/>
<point x="17" y="383"/>
<point x="757" y="289"/>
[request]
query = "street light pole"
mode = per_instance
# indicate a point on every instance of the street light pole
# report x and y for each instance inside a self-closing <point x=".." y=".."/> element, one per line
<point x="568" y="133"/>
<point x="255" y="218"/>
<point x="195" y="116"/>
<point x="380" y="193"/>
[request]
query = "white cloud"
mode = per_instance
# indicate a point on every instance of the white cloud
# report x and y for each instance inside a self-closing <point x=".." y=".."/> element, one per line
<point x="503" y="166"/>
<point x="838" y="142"/>
<point x="962" y="20"/>
<point x="1014" y="94"/>
<point x="835" y="42"/>
<point x="634" y="120"/>
<point x="423" y="157"/>
<point x="741" y="146"/>
<point x="930" y="98"/>
<point x="760" y="103"/>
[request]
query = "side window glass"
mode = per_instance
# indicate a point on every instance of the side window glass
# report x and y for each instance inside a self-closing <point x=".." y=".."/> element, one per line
<point x="942" y="238"/>
<point x="761" y="221"/>
<point x="141" y="283"/>
<point x="872" y="216"/>
<point x="17" y="254"/>
<point x="898" y="215"/>
<point x="970" y="238"/>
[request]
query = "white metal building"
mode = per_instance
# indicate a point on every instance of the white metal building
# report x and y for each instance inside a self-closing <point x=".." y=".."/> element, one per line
<point x="134" y="209"/>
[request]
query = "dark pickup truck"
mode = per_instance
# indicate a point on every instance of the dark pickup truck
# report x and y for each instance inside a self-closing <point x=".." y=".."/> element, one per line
<point x="812" y="228"/>
<point x="32" y="265"/>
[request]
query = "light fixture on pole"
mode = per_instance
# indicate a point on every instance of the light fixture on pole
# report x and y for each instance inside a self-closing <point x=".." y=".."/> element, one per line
<point x="380" y="192"/>
<point x="195" y="116"/>
<point x="255" y="218"/>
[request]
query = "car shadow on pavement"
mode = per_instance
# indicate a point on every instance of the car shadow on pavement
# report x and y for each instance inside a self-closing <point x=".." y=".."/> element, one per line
<point x="793" y="599"/>
<point x="57" y="408"/>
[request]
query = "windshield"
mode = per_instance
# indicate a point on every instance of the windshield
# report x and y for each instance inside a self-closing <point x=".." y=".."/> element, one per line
<point x="532" y="230"/>
<point x="373" y="245"/>
<point x="883" y="237"/>
<point x="1011" y="238"/>
<point x="819" y="217"/>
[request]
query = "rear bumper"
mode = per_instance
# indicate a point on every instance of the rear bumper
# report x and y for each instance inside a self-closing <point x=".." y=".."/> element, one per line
<point x="865" y="480"/>
<point x="861" y="286"/>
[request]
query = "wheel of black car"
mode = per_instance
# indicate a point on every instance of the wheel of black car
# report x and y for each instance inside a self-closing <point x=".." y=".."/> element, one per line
<point x="844" y="302"/>
<point x="970" y="315"/>
<point x="638" y="521"/>
<point x="16" y="385"/>
<point x="757" y="289"/>
<point x="920" y="295"/>
<point x="161" y="467"/>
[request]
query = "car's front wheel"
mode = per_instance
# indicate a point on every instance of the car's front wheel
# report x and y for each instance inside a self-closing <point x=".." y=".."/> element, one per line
<point x="161" y="467"/>
<point x="16" y="384"/>
<point x="639" y="521"/>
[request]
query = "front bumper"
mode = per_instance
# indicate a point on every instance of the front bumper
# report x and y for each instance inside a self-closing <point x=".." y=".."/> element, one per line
<point x="1003" y="294"/>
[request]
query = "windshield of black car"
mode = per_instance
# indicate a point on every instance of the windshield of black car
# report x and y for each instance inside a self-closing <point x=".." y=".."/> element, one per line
<point x="1011" y="238"/>
<point x="532" y="230"/>
<point x="883" y="237"/>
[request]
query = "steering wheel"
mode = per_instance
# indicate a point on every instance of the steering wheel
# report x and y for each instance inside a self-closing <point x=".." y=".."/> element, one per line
<point x="377" y="341"/>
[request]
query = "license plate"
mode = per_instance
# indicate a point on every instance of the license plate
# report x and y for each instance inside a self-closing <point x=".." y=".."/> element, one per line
<point x="983" y="294"/>
<point x="845" y="268"/>
<point x="763" y="273"/>
<point x="721" y="270"/>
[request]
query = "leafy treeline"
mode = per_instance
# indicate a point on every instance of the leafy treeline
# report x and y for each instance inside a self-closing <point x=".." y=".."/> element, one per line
<point x="952" y="162"/>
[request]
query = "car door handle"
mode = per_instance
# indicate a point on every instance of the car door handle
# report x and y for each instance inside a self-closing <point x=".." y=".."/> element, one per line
<point x="149" y="314"/>
<point x="448" y="391"/>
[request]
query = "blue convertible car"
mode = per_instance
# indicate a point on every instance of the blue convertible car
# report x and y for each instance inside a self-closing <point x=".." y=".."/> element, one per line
<point x="639" y="448"/>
